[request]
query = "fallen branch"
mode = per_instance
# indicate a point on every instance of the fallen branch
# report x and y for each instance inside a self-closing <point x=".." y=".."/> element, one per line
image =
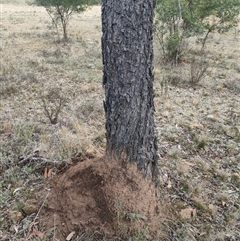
<point x="43" y="162"/>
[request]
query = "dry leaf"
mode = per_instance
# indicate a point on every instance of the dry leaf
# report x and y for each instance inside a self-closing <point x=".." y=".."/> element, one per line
<point x="46" y="172"/>
<point x="196" y="126"/>
<point x="17" y="189"/>
<point x="195" y="198"/>
<point x="15" y="215"/>
<point x="49" y="174"/>
<point x="70" y="236"/>
<point x="7" y="128"/>
<point x="212" y="208"/>
<point x="169" y="184"/>
<point x="19" y="216"/>
<point x="192" y="234"/>
<point x="35" y="233"/>
<point x="38" y="233"/>
<point x="165" y="143"/>
<point x="189" y="163"/>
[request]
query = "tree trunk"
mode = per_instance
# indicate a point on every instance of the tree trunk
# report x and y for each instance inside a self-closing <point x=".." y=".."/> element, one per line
<point x="64" y="20"/>
<point x="64" y="25"/>
<point x="127" y="50"/>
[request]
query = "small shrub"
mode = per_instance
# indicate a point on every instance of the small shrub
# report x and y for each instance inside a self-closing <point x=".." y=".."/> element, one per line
<point x="53" y="103"/>
<point x="172" y="47"/>
<point x="8" y="89"/>
<point x="233" y="85"/>
<point x="198" y="70"/>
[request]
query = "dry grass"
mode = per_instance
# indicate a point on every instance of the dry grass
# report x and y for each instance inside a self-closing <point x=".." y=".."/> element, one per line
<point x="198" y="126"/>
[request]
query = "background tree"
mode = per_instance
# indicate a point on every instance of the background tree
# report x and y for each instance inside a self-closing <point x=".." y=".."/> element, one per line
<point x="62" y="10"/>
<point x="128" y="81"/>
<point x="176" y="20"/>
<point x="218" y="15"/>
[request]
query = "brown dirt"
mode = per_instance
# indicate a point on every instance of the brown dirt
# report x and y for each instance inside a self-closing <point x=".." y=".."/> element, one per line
<point x="99" y="194"/>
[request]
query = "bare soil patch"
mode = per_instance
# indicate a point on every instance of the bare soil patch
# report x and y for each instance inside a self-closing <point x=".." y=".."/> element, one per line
<point x="101" y="195"/>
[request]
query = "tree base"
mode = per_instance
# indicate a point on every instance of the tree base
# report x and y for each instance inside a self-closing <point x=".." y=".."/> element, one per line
<point x="101" y="196"/>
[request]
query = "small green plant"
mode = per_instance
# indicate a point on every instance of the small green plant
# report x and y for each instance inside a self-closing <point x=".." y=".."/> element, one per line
<point x="174" y="48"/>
<point x="175" y="153"/>
<point x="141" y="236"/>
<point x="202" y="142"/>
<point x="123" y="218"/>
<point x="119" y="210"/>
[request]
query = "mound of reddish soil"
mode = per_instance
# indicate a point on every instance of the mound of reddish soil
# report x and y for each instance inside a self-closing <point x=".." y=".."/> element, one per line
<point x="100" y="194"/>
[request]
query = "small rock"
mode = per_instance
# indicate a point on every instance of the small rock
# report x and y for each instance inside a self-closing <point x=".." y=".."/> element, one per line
<point x="211" y="117"/>
<point x="30" y="207"/>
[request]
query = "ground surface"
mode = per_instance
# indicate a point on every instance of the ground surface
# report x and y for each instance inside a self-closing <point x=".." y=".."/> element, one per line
<point x="198" y="127"/>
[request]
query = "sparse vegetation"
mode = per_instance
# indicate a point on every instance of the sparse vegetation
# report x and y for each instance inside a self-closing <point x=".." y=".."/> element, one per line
<point x="62" y="11"/>
<point x="53" y="102"/>
<point x="176" y="21"/>
<point x="198" y="126"/>
<point x="198" y="70"/>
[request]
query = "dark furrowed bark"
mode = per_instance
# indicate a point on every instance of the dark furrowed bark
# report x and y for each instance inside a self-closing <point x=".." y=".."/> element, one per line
<point x="128" y="81"/>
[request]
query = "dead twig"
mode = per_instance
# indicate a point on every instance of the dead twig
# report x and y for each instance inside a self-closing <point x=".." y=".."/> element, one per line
<point x="43" y="162"/>
<point x="33" y="223"/>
